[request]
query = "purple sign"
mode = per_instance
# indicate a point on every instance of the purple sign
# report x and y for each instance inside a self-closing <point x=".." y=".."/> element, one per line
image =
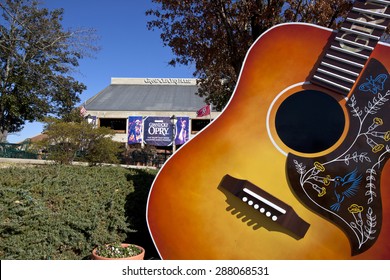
<point x="182" y="130"/>
<point x="135" y="130"/>
<point x="158" y="131"/>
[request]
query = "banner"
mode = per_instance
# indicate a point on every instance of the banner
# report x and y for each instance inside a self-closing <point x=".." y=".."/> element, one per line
<point x="83" y="111"/>
<point x="182" y="130"/>
<point x="204" y="111"/>
<point x="158" y="131"/>
<point x="94" y="121"/>
<point x="135" y="130"/>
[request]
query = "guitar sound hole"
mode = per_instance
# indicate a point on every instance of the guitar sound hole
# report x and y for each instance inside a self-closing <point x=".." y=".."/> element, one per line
<point x="309" y="121"/>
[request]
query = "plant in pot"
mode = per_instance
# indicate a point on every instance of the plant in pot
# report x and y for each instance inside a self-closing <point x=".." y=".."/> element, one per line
<point x="118" y="251"/>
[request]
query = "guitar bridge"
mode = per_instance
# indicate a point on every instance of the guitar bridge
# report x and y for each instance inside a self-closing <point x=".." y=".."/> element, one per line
<point x="266" y="204"/>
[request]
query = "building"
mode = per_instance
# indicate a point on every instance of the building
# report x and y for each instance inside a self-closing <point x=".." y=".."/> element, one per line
<point x="160" y="104"/>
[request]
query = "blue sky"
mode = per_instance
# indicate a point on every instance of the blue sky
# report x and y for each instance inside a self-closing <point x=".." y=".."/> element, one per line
<point x="128" y="48"/>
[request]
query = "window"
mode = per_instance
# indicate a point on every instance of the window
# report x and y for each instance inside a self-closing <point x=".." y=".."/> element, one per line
<point x="119" y="125"/>
<point x="198" y="125"/>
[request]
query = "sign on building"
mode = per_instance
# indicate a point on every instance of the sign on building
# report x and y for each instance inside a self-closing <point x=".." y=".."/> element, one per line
<point x="135" y="130"/>
<point x="182" y="130"/>
<point x="158" y="131"/>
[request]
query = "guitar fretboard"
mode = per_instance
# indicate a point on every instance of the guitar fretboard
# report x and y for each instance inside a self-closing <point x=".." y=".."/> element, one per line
<point x="350" y="50"/>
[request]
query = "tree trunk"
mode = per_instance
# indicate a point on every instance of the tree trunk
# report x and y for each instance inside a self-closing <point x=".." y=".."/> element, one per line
<point x="3" y="136"/>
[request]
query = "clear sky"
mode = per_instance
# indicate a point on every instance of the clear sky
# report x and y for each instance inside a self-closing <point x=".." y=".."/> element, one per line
<point x="128" y="48"/>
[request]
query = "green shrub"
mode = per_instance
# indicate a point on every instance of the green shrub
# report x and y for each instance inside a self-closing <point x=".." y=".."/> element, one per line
<point x="63" y="212"/>
<point x="67" y="141"/>
<point x="102" y="150"/>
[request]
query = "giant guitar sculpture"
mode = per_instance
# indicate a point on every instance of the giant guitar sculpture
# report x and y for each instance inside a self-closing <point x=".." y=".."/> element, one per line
<point x="295" y="166"/>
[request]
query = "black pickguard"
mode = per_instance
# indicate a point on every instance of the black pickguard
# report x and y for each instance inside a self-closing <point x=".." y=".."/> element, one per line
<point x="344" y="185"/>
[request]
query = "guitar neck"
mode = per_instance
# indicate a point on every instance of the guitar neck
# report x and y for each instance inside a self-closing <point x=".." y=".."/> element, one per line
<point x="352" y="46"/>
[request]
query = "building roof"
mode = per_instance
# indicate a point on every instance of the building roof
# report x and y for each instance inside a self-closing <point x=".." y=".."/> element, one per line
<point x="126" y="94"/>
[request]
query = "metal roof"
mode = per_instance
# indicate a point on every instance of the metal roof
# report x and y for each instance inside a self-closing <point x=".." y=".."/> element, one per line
<point x="146" y="97"/>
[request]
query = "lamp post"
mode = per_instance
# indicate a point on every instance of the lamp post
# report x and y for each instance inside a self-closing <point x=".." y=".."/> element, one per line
<point x="89" y="118"/>
<point x="173" y="121"/>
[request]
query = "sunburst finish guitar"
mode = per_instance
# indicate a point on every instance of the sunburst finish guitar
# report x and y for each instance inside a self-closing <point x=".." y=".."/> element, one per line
<point x="295" y="166"/>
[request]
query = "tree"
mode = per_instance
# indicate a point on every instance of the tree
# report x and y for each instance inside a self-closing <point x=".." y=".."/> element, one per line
<point x="215" y="35"/>
<point x="67" y="141"/>
<point x="37" y="58"/>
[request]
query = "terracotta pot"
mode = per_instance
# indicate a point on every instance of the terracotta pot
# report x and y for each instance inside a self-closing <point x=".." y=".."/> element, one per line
<point x="140" y="256"/>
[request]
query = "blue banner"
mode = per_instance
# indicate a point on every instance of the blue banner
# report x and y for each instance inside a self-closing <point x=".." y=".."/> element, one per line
<point x="135" y="130"/>
<point x="158" y="131"/>
<point x="182" y="130"/>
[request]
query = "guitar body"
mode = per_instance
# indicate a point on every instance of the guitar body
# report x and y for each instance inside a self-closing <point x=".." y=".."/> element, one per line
<point x="190" y="217"/>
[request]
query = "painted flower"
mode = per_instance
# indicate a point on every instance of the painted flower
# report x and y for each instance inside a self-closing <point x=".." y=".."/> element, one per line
<point x="378" y="148"/>
<point x="326" y="180"/>
<point x="354" y="208"/>
<point x="375" y="123"/>
<point x="387" y="136"/>
<point x="319" y="166"/>
<point x="323" y="192"/>
<point x="378" y="121"/>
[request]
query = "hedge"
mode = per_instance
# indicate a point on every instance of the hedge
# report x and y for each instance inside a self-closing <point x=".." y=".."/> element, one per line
<point x="63" y="212"/>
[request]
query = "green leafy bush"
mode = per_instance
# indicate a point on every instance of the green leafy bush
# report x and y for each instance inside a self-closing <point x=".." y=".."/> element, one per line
<point x="63" y="212"/>
<point x="66" y="141"/>
<point x="102" y="149"/>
